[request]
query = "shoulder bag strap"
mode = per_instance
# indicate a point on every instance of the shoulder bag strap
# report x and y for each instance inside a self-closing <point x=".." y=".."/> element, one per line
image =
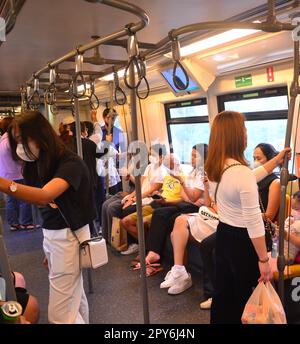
<point x="225" y="169"/>
<point x="67" y="223"/>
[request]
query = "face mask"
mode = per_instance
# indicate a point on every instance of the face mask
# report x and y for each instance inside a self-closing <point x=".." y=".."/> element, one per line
<point x="22" y="154"/>
<point x="256" y="164"/>
<point x="153" y="159"/>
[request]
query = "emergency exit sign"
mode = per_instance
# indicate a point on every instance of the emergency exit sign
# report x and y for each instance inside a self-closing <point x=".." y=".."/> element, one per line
<point x="243" y="80"/>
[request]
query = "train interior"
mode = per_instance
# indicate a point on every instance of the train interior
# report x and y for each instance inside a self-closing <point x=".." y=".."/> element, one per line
<point x="229" y="68"/>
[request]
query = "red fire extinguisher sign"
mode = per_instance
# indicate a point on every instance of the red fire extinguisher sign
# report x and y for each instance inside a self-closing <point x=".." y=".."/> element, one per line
<point x="270" y="74"/>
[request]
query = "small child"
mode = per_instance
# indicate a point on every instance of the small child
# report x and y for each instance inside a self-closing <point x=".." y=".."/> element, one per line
<point x="295" y="213"/>
<point x="292" y="248"/>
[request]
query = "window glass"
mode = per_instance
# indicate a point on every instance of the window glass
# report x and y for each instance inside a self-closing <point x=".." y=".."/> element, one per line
<point x="189" y="111"/>
<point x="258" y="104"/>
<point x="185" y="136"/>
<point x="266" y="131"/>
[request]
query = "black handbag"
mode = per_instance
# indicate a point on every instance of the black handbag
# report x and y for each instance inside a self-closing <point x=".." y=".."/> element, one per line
<point x="270" y="228"/>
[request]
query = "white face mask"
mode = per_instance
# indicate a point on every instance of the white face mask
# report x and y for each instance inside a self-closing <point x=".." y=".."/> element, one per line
<point x="153" y="159"/>
<point x="22" y="154"/>
<point x="256" y="164"/>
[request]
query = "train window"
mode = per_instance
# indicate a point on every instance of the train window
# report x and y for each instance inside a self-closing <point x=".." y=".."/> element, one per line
<point x="187" y="124"/>
<point x="266" y="114"/>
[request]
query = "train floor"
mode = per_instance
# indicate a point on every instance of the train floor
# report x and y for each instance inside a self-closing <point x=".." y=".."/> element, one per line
<point x="117" y="296"/>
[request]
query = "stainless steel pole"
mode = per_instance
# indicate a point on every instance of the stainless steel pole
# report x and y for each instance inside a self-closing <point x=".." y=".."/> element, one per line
<point x="284" y="176"/>
<point x="79" y="152"/>
<point x="140" y="225"/>
<point x="5" y="269"/>
<point x="78" y="127"/>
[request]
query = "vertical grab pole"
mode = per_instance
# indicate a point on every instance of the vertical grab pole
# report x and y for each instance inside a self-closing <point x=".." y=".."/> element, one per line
<point x="109" y="132"/>
<point x="79" y="152"/>
<point x="284" y="176"/>
<point x="138" y="192"/>
<point x="5" y="269"/>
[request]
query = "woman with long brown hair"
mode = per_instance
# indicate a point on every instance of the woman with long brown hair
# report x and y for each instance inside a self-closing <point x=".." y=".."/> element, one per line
<point x="59" y="182"/>
<point x="241" y="253"/>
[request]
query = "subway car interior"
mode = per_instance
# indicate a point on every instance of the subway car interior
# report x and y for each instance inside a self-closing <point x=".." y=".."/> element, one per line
<point x="155" y="74"/>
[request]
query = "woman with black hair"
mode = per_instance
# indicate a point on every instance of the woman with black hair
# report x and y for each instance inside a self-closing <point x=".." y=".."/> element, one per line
<point x="18" y="213"/>
<point x="268" y="188"/>
<point x="163" y="218"/>
<point x="59" y="182"/>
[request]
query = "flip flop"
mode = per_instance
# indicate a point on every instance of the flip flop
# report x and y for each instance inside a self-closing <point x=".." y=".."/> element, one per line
<point x="135" y="261"/>
<point x="151" y="268"/>
<point x="137" y="266"/>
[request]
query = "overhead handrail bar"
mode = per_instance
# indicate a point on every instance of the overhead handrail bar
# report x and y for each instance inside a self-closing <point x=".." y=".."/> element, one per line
<point x="270" y="25"/>
<point x="123" y="5"/>
<point x="128" y="7"/>
<point x="10" y="16"/>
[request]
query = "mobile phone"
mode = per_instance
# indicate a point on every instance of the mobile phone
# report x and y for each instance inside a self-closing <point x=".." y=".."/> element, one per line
<point x="155" y="196"/>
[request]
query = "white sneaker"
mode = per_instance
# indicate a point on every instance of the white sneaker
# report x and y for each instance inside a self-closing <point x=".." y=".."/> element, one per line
<point x="169" y="280"/>
<point x="132" y="248"/>
<point x="206" y="304"/>
<point x="181" y="283"/>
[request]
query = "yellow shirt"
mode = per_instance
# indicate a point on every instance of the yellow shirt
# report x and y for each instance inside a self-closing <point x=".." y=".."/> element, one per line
<point x="171" y="189"/>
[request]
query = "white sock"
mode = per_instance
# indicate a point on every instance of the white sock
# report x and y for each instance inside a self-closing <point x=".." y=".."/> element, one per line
<point x="180" y="269"/>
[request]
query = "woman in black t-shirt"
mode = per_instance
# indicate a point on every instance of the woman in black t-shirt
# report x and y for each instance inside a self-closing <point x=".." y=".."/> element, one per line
<point x="59" y="182"/>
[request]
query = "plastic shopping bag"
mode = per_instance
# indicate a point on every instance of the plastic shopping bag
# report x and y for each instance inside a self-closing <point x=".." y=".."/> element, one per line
<point x="264" y="306"/>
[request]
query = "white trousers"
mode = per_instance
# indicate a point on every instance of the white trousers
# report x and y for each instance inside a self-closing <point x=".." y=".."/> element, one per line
<point x="67" y="300"/>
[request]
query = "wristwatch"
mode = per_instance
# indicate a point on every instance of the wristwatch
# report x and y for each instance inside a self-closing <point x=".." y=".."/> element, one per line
<point x="13" y="187"/>
<point x="264" y="260"/>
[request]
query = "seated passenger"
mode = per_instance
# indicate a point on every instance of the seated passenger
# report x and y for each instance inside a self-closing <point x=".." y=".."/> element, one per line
<point x="151" y="180"/>
<point x="30" y="306"/>
<point x="163" y="218"/>
<point x="292" y="236"/>
<point x="178" y="280"/>
<point x="171" y="192"/>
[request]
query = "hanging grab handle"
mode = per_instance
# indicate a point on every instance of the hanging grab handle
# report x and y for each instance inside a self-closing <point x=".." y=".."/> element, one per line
<point x="118" y="90"/>
<point x="147" y="90"/>
<point x="176" y="58"/>
<point x="78" y="78"/>
<point x="134" y="57"/>
<point x="50" y="94"/>
<point x="94" y="104"/>
<point x="35" y="98"/>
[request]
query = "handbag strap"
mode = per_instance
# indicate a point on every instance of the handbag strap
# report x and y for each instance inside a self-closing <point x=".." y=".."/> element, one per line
<point x="261" y="204"/>
<point x="225" y="169"/>
<point x="67" y="223"/>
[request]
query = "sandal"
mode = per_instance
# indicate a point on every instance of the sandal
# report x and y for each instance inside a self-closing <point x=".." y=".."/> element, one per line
<point x="27" y="227"/>
<point x="135" y="261"/>
<point x="151" y="268"/>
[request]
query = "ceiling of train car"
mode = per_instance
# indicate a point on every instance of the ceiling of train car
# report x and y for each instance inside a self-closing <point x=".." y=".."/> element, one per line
<point x="266" y="49"/>
<point x="47" y="29"/>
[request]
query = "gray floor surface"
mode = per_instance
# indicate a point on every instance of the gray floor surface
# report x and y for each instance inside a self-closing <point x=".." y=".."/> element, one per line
<point x="117" y="297"/>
